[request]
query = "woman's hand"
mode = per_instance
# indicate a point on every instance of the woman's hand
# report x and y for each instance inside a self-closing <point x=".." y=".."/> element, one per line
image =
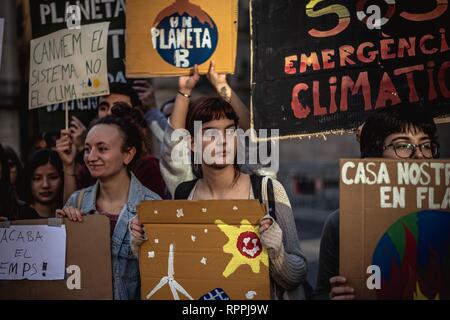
<point x="264" y="224"/>
<point x="339" y="289"/>
<point x="137" y="229"/>
<point x="219" y="82"/>
<point x="77" y="131"/>
<point x="187" y="83"/>
<point x="70" y="213"/>
<point x="66" y="148"/>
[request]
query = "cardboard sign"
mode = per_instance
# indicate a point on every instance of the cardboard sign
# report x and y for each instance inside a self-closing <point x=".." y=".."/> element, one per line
<point x="207" y="250"/>
<point x="395" y="228"/>
<point x="168" y="37"/>
<point x="68" y="65"/>
<point x="87" y="268"/>
<point x="47" y="16"/>
<point x="32" y="252"/>
<point x="322" y="67"/>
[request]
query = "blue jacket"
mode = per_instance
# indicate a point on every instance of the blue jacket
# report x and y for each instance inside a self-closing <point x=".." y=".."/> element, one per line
<point x="125" y="266"/>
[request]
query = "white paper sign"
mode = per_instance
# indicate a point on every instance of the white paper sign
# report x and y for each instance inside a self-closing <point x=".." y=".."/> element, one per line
<point x="68" y="65"/>
<point x="36" y="252"/>
<point x="2" y="23"/>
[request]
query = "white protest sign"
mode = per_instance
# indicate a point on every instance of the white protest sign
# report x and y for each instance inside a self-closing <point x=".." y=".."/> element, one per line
<point x="69" y="64"/>
<point x="33" y="252"/>
<point x="2" y="23"/>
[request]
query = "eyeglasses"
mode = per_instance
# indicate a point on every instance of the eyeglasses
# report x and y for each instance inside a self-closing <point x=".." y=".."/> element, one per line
<point x="406" y="150"/>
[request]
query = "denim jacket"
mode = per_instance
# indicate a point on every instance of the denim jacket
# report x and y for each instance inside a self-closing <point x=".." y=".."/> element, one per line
<point x="125" y="266"/>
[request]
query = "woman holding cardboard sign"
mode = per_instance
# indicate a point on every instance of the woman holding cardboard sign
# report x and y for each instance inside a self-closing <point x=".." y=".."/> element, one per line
<point x="112" y="145"/>
<point x="219" y="177"/>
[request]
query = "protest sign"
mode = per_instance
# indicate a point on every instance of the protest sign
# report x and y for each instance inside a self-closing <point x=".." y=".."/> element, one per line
<point x="87" y="270"/>
<point x="208" y="250"/>
<point x="323" y="66"/>
<point x="168" y="37"/>
<point x="32" y="252"/>
<point x="68" y="65"/>
<point x="46" y="16"/>
<point x="395" y="228"/>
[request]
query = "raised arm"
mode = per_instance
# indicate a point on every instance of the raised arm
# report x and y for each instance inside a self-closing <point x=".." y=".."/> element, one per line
<point x="219" y="82"/>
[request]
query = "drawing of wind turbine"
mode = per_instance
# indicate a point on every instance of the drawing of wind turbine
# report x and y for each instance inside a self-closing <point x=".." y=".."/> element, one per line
<point x="169" y="279"/>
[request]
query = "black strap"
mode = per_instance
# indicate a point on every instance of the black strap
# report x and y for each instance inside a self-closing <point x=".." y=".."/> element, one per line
<point x="257" y="191"/>
<point x="271" y="198"/>
<point x="184" y="189"/>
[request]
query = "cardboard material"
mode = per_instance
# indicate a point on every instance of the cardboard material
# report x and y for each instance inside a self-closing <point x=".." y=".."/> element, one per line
<point x="167" y="37"/>
<point x="395" y="215"/>
<point x="210" y="249"/>
<point x="88" y="265"/>
<point x="69" y="64"/>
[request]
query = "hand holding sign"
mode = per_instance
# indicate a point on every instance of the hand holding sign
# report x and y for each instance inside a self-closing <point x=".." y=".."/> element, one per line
<point x="66" y="149"/>
<point x="187" y="83"/>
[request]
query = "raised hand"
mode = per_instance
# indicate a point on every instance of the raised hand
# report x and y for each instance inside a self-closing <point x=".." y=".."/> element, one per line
<point x="187" y="83"/>
<point x="77" y="131"/>
<point x="146" y="94"/>
<point x="66" y="148"/>
<point x="219" y="82"/>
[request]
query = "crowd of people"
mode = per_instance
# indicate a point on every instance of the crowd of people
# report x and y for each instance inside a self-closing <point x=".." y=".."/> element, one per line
<point x="108" y="168"/>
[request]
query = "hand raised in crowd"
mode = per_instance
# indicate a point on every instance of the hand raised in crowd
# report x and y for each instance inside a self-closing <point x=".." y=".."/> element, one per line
<point x="146" y="94"/>
<point x="70" y="213"/>
<point x="187" y="83"/>
<point x="219" y="82"/>
<point x="78" y="131"/>
<point x="66" y="148"/>
<point x="339" y="289"/>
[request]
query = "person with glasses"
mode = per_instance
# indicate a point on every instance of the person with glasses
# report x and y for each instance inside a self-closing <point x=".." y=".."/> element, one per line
<point x="398" y="132"/>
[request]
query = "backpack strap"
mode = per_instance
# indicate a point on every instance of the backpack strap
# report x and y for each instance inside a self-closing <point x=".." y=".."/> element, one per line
<point x="257" y="186"/>
<point x="184" y="189"/>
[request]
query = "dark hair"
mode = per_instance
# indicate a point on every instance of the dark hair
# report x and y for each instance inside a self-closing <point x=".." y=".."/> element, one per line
<point x="38" y="159"/>
<point x="8" y="198"/>
<point x="394" y="119"/>
<point x="12" y="155"/>
<point x="125" y="89"/>
<point x="130" y="133"/>
<point x="205" y="110"/>
<point x="133" y="115"/>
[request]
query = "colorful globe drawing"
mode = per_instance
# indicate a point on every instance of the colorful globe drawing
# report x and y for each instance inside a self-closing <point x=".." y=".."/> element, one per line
<point x="414" y="257"/>
<point x="191" y="40"/>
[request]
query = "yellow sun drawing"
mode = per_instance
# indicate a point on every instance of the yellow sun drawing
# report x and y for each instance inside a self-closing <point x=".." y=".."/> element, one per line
<point x="245" y="246"/>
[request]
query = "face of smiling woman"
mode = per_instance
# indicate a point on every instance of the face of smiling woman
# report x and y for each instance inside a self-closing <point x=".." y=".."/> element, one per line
<point x="104" y="154"/>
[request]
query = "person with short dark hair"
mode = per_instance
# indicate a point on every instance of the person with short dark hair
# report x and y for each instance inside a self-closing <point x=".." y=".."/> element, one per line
<point x="112" y="146"/>
<point x="118" y="92"/>
<point x="398" y="132"/>
<point x="222" y="179"/>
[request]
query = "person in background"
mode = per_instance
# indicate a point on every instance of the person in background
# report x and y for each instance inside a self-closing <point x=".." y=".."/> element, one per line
<point x="397" y="132"/>
<point x="44" y="181"/>
<point x="10" y="206"/>
<point x="15" y="171"/>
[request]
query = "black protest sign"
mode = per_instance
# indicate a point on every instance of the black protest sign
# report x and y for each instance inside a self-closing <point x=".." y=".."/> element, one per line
<point x="49" y="16"/>
<point x="323" y="66"/>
